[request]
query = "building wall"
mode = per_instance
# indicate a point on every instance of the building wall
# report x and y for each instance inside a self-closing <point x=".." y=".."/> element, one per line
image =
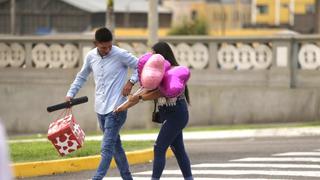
<point x="218" y="16"/>
<point x="47" y="16"/>
<point x="278" y="12"/>
<point x="43" y="16"/>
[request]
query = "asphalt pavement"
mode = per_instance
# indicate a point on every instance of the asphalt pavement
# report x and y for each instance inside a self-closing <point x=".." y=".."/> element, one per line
<point x="79" y="164"/>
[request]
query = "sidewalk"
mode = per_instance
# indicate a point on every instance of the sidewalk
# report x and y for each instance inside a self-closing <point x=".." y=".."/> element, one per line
<point x="143" y="156"/>
<point x="222" y="134"/>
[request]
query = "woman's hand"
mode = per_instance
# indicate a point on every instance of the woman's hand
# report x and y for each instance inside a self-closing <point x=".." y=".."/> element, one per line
<point x="133" y="99"/>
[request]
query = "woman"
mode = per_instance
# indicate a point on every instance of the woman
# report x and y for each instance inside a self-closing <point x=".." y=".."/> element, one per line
<point x="175" y="113"/>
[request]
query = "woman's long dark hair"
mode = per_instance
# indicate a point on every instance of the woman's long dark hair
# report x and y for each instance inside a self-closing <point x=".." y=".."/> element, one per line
<point x="164" y="49"/>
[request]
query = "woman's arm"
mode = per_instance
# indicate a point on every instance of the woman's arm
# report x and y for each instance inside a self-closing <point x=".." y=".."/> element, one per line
<point x="151" y="95"/>
<point x="133" y="100"/>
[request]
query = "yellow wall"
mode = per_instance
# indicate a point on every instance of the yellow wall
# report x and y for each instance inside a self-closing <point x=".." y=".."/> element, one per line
<point x="300" y="7"/>
<point x="213" y="13"/>
<point x="269" y="17"/>
<point x="141" y="32"/>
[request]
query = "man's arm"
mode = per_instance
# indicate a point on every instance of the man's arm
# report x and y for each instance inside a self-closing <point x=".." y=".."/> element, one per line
<point x="132" y="62"/>
<point x="80" y="79"/>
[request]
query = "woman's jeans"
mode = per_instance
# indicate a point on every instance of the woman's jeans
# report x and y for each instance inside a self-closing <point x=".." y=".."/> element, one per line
<point x="176" y="118"/>
<point x="110" y="124"/>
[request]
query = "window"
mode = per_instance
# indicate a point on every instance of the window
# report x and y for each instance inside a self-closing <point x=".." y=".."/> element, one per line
<point x="310" y="8"/>
<point x="262" y="9"/>
<point x="194" y="15"/>
<point x="285" y="5"/>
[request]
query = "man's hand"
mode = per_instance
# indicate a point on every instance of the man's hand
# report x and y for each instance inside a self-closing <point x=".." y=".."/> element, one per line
<point x="68" y="98"/>
<point x="127" y="88"/>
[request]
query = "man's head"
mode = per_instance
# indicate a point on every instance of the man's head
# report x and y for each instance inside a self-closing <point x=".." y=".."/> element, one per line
<point x="103" y="40"/>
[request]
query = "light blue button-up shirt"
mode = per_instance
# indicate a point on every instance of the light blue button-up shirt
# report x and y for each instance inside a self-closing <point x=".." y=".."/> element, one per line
<point x="109" y="73"/>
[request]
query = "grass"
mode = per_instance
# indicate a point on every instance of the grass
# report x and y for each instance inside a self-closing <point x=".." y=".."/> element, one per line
<point x="39" y="151"/>
<point x="36" y="151"/>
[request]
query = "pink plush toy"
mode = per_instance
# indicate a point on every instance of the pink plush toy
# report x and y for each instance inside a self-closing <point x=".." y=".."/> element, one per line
<point x="174" y="81"/>
<point x="152" y="72"/>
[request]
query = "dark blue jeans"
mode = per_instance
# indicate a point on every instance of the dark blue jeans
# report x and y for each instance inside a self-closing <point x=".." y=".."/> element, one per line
<point x="110" y="125"/>
<point x="176" y="118"/>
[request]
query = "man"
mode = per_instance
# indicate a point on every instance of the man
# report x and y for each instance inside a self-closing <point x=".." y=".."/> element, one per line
<point x="109" y="65"/>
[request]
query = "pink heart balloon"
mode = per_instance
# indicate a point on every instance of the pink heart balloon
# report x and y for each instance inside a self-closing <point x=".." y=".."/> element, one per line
<point x="167" y="65"/>
<point x="152" y="72"/>
<point x="174" y="81"/>
<point x="141" y="62"/>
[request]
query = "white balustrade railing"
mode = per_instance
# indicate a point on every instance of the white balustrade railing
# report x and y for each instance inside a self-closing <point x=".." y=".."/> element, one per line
<point x="244" y="56"/>
<point x="221" y="54"/>
<point x="309" y="56"/>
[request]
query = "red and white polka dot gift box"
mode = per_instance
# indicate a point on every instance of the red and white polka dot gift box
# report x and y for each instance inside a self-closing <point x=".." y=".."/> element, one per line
<point x="66" y="135"/>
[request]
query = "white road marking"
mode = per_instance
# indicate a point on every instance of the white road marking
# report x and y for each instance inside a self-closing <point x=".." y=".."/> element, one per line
<point x="200" y="178"/>
<point x="277" y="159"/>
<point x="241" y="172"/>
<point x="256" y="165"/>
<point x="298" y="154"/>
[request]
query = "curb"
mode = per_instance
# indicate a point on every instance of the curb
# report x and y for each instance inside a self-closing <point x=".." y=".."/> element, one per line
<point x="41" y="168"/>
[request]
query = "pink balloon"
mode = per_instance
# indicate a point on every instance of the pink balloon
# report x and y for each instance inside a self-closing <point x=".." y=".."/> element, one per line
<point x="152" y="72"/>
<point x="141" y="62"/>
<point x="174" y="81"/>
<point x="167" y="65"/>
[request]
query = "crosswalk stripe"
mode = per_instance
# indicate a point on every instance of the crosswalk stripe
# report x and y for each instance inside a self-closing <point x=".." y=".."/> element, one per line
<point x="196" y="178"/>
<point x="298" y="154"/>
<point x="256" y="165"/>
<point x="240" y="172"/>
<point x="284" y="169"/>
<point x="277" y="159"/>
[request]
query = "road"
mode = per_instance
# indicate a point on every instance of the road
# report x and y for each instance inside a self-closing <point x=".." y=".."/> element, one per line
<point x="246" y="158"/>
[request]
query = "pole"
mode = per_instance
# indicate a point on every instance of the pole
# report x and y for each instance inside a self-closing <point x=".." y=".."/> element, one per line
<point x="153" y="22"/>
<point x="291" y="13"/>
<point x="239" y="14"/>
<point x="110" y="16"/>
<point x="317" y="19"/>
<point x="253" y="12"/>
<point x="13" y="17"/>
<point x="277" y="13"/>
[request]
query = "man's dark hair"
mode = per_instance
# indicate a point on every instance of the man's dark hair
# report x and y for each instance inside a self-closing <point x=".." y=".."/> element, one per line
<point x="103" y="35"/>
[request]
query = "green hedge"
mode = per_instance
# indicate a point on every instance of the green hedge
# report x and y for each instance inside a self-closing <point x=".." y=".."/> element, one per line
<point x="195" y="27"/>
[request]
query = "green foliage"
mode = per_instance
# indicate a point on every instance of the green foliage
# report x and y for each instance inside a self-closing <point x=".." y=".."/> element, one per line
<point x="196" y="27"/>
<point x="40" y="151"/>
<point x="110" y="4"/>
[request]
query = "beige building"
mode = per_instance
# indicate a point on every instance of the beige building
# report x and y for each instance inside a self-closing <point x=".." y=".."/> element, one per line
<point x="221" y="15"/>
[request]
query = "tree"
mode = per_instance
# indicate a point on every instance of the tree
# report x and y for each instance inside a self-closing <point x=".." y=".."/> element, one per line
<point x="317" y="5"/>
<point x="110" y="16"/>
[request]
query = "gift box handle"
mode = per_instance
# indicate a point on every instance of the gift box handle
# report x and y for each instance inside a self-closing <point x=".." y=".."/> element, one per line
<point x="68" y="104"/>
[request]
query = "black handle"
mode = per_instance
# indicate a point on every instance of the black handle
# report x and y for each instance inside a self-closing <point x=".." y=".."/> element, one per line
<point x="73" y="102"/>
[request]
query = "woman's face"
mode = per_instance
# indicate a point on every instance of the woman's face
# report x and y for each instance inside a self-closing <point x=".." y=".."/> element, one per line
<point x="153" y="52"/>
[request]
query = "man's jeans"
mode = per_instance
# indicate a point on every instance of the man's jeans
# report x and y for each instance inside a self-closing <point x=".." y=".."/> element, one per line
<point x="110" y="125"/>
